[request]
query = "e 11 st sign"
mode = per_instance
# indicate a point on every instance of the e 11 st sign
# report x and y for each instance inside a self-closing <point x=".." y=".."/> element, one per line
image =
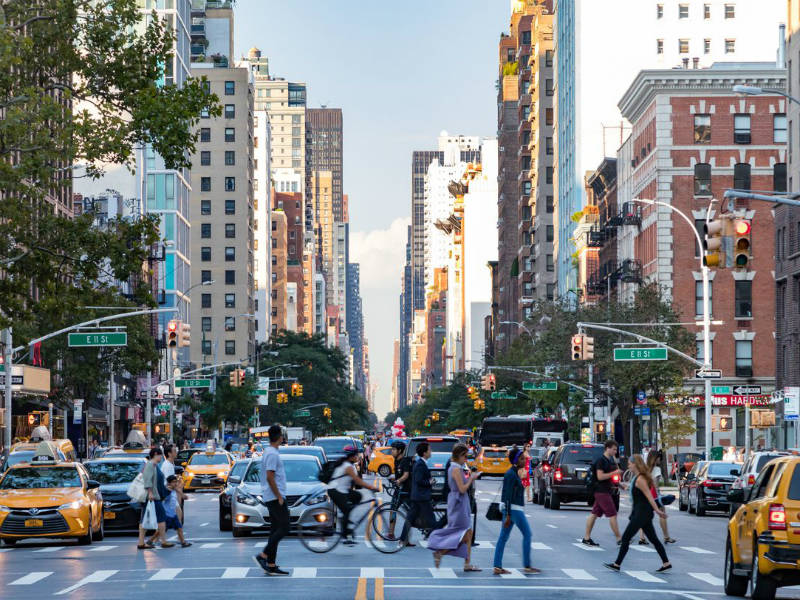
<point x="544" y="386"/>
<point x="636" y="354"/>
<point x="85" y="340"/>
<point x="192" y="383"/>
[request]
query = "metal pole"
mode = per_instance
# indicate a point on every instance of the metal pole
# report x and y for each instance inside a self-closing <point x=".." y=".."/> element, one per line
<point x="112" y="401"/>
<point x="8" y="363"/>
<point x="149" y="408"/>
<point x="50" y="418"/>
<point x="746" y="430"/>
<point x="591" y="406"/>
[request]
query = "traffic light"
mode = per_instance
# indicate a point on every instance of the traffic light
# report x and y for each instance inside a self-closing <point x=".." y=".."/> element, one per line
<point x="484" y="382"/>
<point x="299" y="389"/>
<point x="741" y="243"/>
<point x="34" y="419"/>
<point x="184" y="334"/>
<point x="492" y="381"/>
<point x="326" y="412"/>
<point x="472" y="393"/>
<point x="233" y="378"/>
<point x="172" y="333"/>
<point x="295" y="389"/>
<point x="588" y="348"/>
<point x="282" y="398"/>
<point x="427" y="422"/>
<point x="161" y="429"/>
<point x="713" y="253"/>
<point x="577" y="347"/>
<point x="600" y="428"/>
<point x="240" y="374"/>
<point x="435" y="416"/>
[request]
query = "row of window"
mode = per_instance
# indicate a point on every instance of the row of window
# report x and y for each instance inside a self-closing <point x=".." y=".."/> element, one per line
<point x="742" y="298"/>
<point x="205" y="299"/>
<point x="783" y="244"/>
<point x="205" y="208"/>
<point x="741" y="178"/>
<point x="741" y="129"/>
<point x="230" y="323"/>
<point x="230" y="184"/>
<point x="205" y="230"/>
<point x="683" y="46"/>
<point x="744" y="356"/>
<point x="230" y="158"/>
<point x="230" y="134"/>
<point x="230" y="346"/>
<point x="230" y="279"/>
<point x="205" y="253"/>
<point x="683" y="11"/>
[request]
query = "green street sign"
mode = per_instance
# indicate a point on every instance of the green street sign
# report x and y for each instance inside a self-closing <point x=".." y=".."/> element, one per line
<point x="628" y="354"/>
<point x="260" y="392"/>
<point x="720" y="390"/>
<point x="192" y="383"/>
<point x="544" y="386"/>
<point x="302" y="413"/>
<point x="502" y="396"/>
<point x="110" y="338"/>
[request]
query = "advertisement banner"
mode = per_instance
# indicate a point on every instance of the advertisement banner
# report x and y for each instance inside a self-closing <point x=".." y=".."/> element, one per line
<point x="791" y="403"/>
<point x="722" y="400"/>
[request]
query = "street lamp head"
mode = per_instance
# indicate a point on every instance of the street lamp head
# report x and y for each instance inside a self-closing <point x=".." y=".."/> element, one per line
<point x="747" y="90"/>
<point x="208" y="282"/>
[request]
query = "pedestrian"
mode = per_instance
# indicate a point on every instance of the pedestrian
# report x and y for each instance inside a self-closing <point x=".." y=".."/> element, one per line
<point x="456" y="538"/>
<point x="402" y="481"/>
<point x="526" y="474"/>
<point x="168" y="464"/>
<point x="655" y="473"/>
<point x="150" y="480"/>
<point x="228" y="446"/>
<point x="249" y="452"/>
<point x="273" y="492"/>
<point x="340" y="489"/>
<point x="421" y="493"/>
<point x="644" y="506"/>
<point x="172" y="510"/>
<point x="512" y="499"/>
<point x="603" y="470"/>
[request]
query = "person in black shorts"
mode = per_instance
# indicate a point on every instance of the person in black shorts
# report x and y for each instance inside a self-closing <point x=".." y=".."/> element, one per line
<point x="604" y="470"/>
<point x="403" y="466"/>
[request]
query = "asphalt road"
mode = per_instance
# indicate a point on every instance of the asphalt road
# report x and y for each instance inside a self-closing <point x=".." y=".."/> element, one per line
<point x="218" y="566"/>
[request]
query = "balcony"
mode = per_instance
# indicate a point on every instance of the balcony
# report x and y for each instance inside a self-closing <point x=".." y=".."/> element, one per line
<point x="631" y="271"/>
<point x="596" y="237"/>
<point x="532" y="143"/>
<point x="532" y="59"/>
<point x="198" y="29"/>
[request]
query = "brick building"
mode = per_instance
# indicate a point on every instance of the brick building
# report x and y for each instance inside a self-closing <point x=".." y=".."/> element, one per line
<point x="291" y="204"/>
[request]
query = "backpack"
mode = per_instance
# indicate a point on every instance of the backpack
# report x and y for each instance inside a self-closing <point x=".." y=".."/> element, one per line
<point x="326" y="473"/>
<point x="591" y="478"/>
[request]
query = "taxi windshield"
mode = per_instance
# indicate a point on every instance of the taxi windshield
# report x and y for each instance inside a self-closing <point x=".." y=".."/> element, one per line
<point x="25" y="456"/>
<point x="114" y="472"/>
<point x="200" y="459"/>
<point x="40" y="477"/>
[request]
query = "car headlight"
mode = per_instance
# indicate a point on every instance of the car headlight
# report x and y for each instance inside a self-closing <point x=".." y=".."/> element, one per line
<point x="318" y="499"/>
<point x="73" y="505"/>
<point x="4" y="508"/>
<point x="247" y="499"/>
<point x="222" y="474"/>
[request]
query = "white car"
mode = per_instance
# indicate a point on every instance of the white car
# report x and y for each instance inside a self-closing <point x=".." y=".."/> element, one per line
<point x="303" y="491"/>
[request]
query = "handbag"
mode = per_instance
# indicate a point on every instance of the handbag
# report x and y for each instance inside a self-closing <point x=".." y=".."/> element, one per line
<point x="667" y="499"/>
<point x="149" y="519"/>
<point x="493" y="513"/>
<point x="136" y="491"/>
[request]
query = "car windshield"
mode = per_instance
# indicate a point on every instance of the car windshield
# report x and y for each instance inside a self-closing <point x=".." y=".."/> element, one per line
<point x="40" y="477"/>
<point x="438" y="460"/>
<point x="436" y="445"/>
<point x="581" y="454"/>
<point x="763" y="460"/>
<point x="208" y="459"/>
<point x="301" y="471"/>
<point x="334" y="445"/>
<point x="113" y="472"/>
<point x="239" y="469"/>
<point x="718" y="469"/>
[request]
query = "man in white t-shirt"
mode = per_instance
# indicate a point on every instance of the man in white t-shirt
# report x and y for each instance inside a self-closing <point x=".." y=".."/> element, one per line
<point x="273" y="493"/>
<point x="168" y="464"/>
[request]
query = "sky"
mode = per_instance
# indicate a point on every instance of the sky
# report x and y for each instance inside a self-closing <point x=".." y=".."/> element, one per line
<point x="401" y="72"/>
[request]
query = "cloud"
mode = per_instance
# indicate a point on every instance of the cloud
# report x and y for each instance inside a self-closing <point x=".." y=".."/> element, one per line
<point x="381" y="254"/>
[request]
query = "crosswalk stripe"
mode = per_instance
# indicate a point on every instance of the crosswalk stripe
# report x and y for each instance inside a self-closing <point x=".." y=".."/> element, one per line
<point x="589" y="548"/>
<point x="579" y="574"/>
<point x="304" y="572"/>
<point x="165" y="574"/>
<point x="642" y="548"/>
<point x="371" y="572"/>
<point x="644" y="576"/>
<point x="31" y="578"/>
<point x="551" y="526"/>
<point x="512" y="574"/>
<point x="211" y="545"/>
<point x="485" y="545"/>
<point x="539" y="546"/>
<point x="101" y="548"/>
<point x="708" y="578"/>
<point x="235" y="573"/>
<point x="697" y="550"/>
<point x="203" y="524"/>
<point x="6" y="549"/>
<point x="50" y="549"/>
<point x="95" y="577"/>
<point x="443" y="573"/>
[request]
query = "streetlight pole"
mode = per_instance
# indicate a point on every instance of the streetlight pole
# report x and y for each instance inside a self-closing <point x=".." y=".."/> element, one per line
<point x="520" y="325"/>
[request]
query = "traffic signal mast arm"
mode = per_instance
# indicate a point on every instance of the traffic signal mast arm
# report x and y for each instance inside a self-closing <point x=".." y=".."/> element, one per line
<point x="641" y="338"/>
<point x="529" y="372"/>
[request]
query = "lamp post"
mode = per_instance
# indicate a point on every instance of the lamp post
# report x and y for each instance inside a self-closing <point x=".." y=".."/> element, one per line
<point x="520" y="325"/>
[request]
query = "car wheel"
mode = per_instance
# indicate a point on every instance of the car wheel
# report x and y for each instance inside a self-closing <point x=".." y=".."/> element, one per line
<point x="555" y="500"/>
<point x="538" y="497"/>
<point x="735" y="585"/>
<point x="86" y="540"/>
<point x="699" y="507"/>
<point x="384" y="471"/>
<point x="762" y="587"/>
<point x="101" y="532"/>
<point x="224" y="524"/>
<point x="691" y="508"/>
<point x="546" y="500"/>
<point x="681" y="506"/>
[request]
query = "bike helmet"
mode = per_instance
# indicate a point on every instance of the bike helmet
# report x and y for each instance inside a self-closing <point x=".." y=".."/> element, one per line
<point x="350" y="451"/>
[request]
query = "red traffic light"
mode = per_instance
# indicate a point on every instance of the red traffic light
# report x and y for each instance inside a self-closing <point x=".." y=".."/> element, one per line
<point x="172" y="326"/>
<point x="741" y="227"/>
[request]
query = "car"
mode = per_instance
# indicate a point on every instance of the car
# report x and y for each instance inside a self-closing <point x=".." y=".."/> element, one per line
<point x="207" y="470"/>
<point x="334" y="446"/>
<point x="750" y="470"/>
<point x="493" y="460"/>
<point x="686" y="482"/>
<point x="436" y="465"/>
<point x="762" y="549"/>
<point x="683" y="463"/>
<point x="566" y="481"/>
<point x="114" y="474"/>
<point x="25" y="451"/>
<point x="540" y="469"/>
<point x="437" y="443"/>
<point x="303" y="490"/>
<point x="184" y="455"/>
<point x="382" y="461"/>
<point x="317" y="451"/>
<point x="235" y="477"/>
<point x="50" y="498"/>
<point x="709" y="491"/>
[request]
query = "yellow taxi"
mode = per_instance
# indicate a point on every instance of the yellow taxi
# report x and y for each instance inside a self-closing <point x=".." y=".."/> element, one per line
<point x="762" y="551"/>
<point x="49" y="498"/>
<point x="382" y="461"/>
<point x="135" y="445"/>
<point x="493" y="460"/>
<point x="207" y="470"/>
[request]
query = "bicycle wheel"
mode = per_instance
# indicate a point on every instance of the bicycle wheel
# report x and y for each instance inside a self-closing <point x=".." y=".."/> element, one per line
<point x="317" y="530"/>
<point x="385" y="527"/>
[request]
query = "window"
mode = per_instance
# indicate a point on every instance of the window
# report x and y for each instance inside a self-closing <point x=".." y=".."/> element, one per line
<point x="230" y="111"/>
<point x="744" y="358"/>
<point x="230" y="184"/>
<point x="744" y="299"/>
<point x="205" y="253"/>
<point x="730" y="46"/>
<point x="548" y="87"/>
<point x="230" y="253"/>
<point x="548" y="175"/>
<point x="205" y="184"/>
<point x="205" y="324"/>
<point x="230" y="134"/>
<point x="549" y="204"/>
<point x="706" y="46"/>
<point x="230" y="230"/>
<point x="205" y="276"/>
<point x="205" y="301"/>
<point x="683" y="46"/>
<point x="548" y="145"/>
<point x="683" y="11"/>
<point x="206" y="346"/>
<point x="659" y="46"/>
<point x="741" y="176"/>
<point x="230" y="347"/>
<point x="700" y="355"/>
<point x="706" y="11"/>
<point x="526" y="38"/>
<point x="230" y="158"/>
<point x="548" y="117"/>
<point x="230" y="300"/>
<point x="230" y="323"/>
<point x="230" y="277"/>
<point x="549" y="265"/>
<point x="779" y="177"/>
<point x="741" y="129"/>
<point x="659" y="11"/>
<point x="698" y="298"/>
<point x="526" y="188"/>
<point x="548" y="58"/>
<point x="205" y="158"/>
<point x="204" y="114"/>
<point x="702" y="179"/>
<point x="230" y="88"/>
<point x="702" y="129"/>
<point x="205" y="207"/>
<point x="550" y="233"/>
<point x="730" y="11"/>
<point x="230" y="207"/>
<point x="205" y="134"/>
<point x="779" y="132"/>
<point x="205" y="230"/>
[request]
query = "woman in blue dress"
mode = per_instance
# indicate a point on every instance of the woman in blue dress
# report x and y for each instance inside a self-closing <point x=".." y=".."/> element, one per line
<point x="456" y="538"/>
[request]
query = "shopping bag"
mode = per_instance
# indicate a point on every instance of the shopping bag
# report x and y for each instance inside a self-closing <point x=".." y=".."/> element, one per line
<point x="136" y="491"/>
<point x="149" y="520"/>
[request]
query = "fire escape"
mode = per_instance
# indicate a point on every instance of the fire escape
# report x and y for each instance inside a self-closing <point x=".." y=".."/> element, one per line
<point x="611" y="272"/>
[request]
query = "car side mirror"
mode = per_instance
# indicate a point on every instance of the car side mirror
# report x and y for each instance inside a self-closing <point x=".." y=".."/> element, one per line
<point x="235" y="480"/>
<point x="735" y="472"/>
<point x="736" y="495"/>
<point x="92" y="484"/>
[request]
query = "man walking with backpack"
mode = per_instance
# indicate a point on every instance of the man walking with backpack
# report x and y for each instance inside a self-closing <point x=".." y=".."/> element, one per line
<point x="602" y="474"/>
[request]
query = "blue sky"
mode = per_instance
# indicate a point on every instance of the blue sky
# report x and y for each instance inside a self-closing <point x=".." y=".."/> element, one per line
<point x="401" y="72"/>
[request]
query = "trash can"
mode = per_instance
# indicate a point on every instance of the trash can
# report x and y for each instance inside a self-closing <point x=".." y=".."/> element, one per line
<point x="716" y="452"/>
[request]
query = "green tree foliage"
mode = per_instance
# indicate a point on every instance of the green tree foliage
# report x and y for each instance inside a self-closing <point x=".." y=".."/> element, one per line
<point x="231" y="404"/>
<point x="676" y="427"/>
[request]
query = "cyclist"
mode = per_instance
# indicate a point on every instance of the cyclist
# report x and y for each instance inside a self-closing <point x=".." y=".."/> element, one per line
<point x="402" y="480"/>
<point x="340" y="489"/>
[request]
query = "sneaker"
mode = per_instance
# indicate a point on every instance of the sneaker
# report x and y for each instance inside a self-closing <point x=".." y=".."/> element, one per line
<point x="349" y="542"/>
<point x="261" y="562"/>
<point x="611" y="566"/>
<point x="531" y="571"/>
<point x="589" y="542"/>
<point x="663" y="568"/>
<point x="276" y="570"/>
<point x="644" y="543"/>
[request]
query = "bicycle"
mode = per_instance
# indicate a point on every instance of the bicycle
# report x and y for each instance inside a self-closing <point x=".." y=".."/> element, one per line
<point x="389" y="512"/>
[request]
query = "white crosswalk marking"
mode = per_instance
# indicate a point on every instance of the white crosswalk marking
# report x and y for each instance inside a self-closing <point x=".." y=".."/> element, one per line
<point x="95" y="577"/>
<point x="589" y="548"/>
<point x="644" y="576"/>
<point x="512" y="574"/>
<point x="31" y="578"/>
<point x="165" y="574"/>
<point x="6" y="549"/>
<point x="211" y="545"/>
<point x="581" y="574"/>
<point x="697" y="550"/>
<point x="708" y="578"/>
<point x="485" y="545"/>
<point x="372" y="572"/>
<point x="304" y="572"/>
<point x="203" y="524"/>
<point x="443" y="573"/>
<point x="50" y="549"/>
<point x="551" y="526"/>
<point x="642" y="548"/>
<point x="539" y="546"/>
<point x="235" y="573"/>
<point x="101" y="548"/>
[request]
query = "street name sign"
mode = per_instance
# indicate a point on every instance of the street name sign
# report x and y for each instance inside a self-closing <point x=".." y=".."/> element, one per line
<point x="110" y="338"/>
<point x="502" y="396"/>
<point x="747" y="390"/>
<point x="302" y="413"/>
<point x="260" y="392"/>
<point x="192" y="383"/>
<point x="720" y="390"/>
<point x="709" y="374"/>
<point x="544" y="386"/>
<point x="636" y="354"/>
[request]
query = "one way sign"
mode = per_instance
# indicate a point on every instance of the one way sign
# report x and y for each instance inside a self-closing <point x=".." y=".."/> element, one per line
<point x="747" y="390"/>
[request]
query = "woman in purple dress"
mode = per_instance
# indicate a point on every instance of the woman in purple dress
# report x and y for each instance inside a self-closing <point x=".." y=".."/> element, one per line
<point x="456" y="537"/>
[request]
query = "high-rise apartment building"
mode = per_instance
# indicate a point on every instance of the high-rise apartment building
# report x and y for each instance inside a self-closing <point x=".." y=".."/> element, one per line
<point x="406" y="312"/>
<point x="355" y="326"/>
<point x="324" y="133"/>
<point x="324" y="218"/>
<point x="588" y="84"/>
<point x="279" y="264"/>
<point x="262" y="244"/>
<point x="291" y="204"/>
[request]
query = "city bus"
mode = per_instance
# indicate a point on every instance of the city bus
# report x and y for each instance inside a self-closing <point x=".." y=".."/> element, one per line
<point x="522" y="429"/>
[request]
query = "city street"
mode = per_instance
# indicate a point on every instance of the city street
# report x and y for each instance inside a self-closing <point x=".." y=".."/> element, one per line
<point x="219" y="566"/>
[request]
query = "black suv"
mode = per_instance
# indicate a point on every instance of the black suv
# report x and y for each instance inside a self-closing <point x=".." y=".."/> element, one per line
<point x="566" y="480"/>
